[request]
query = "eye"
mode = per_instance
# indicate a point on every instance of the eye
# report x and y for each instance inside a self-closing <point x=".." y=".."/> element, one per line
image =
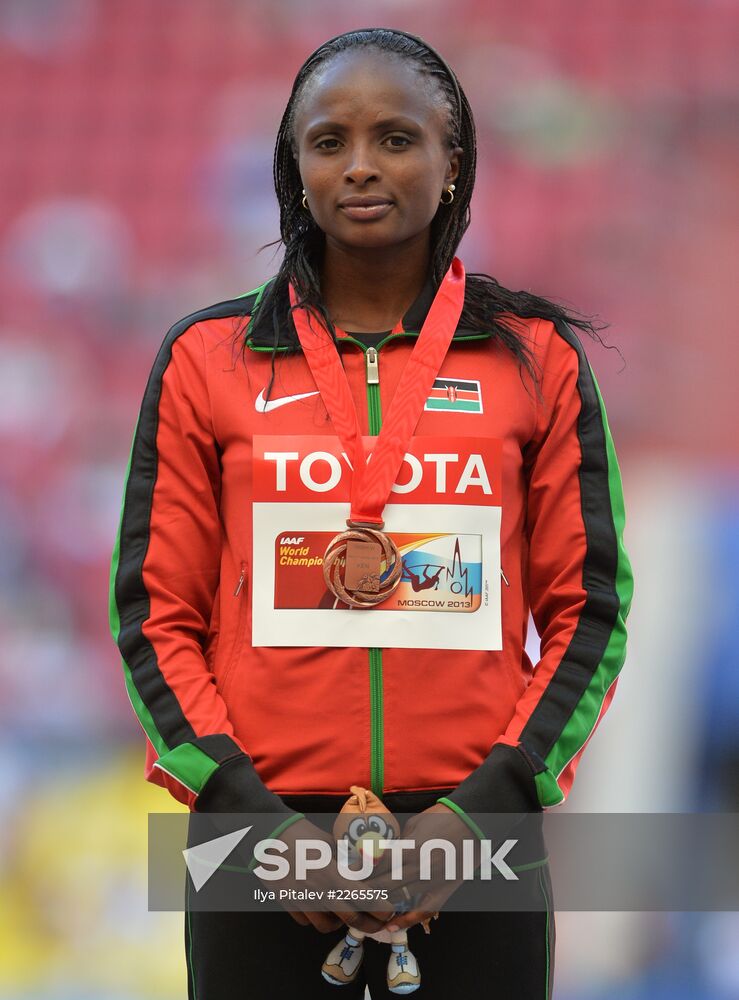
<point x="377" y="824"/>
<point x="357" y="828"/>
<point x="398" y="141"/>
<point x="322" y="144"/>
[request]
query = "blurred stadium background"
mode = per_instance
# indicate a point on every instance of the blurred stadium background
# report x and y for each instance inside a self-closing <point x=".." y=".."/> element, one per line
<point x="135" y="186"/>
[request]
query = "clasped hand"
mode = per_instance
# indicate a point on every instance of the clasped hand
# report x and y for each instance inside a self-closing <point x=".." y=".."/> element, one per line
<point x="383" y="911"/>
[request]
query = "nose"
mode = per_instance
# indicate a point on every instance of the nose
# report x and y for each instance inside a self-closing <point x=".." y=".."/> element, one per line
<point x="361" y="166"/>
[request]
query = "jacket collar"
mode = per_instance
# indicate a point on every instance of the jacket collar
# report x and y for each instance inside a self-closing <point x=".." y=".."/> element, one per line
<point x="416" y="315"/>
<point x="410" y="324"/>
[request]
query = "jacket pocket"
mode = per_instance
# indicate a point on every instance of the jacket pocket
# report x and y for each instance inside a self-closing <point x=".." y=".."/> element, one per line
<point x="240" y="595"/>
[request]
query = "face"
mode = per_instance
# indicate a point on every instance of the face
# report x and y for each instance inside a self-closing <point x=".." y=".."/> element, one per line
<point x="370" y="135"/>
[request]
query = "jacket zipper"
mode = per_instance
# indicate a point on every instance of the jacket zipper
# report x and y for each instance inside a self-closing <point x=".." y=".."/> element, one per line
<point x="377" y="722"/>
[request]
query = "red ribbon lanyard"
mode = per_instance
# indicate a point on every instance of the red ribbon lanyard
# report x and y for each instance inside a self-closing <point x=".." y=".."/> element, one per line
<point x="373" y="480"/>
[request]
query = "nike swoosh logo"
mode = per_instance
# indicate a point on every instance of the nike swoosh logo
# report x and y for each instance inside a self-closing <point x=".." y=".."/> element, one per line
<point x="262" y="405"/>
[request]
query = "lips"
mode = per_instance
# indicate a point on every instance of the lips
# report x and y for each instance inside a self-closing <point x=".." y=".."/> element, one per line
<point x="365" y="207"/>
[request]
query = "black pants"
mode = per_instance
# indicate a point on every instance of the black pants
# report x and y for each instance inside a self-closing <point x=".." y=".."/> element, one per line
<point x="268" y="956"/>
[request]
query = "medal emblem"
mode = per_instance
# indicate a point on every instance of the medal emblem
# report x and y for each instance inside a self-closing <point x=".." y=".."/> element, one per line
<point x="362" y="566"/>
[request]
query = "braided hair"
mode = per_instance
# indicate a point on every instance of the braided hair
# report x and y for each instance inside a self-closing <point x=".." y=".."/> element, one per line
<point x="485" y="298"/>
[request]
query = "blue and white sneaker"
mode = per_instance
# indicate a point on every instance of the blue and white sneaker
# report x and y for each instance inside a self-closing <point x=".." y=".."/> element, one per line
<point x="343" y="961"/>
<point x="402" y="971"/>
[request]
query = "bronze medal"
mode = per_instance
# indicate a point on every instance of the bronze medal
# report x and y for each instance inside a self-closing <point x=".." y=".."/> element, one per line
<point x="362" y="566"/>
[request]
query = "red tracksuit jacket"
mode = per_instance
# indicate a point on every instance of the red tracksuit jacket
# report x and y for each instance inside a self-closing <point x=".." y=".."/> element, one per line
<point x="250" y="685"/>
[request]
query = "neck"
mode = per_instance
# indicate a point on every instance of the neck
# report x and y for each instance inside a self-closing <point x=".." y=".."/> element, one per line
<point x="368" y="290"/>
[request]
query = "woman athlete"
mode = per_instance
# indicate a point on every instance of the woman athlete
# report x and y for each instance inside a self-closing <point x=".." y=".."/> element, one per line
<point x="265" y="686"/>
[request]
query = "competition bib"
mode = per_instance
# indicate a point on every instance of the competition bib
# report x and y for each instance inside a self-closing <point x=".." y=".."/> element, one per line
<point x="444" y="516"/>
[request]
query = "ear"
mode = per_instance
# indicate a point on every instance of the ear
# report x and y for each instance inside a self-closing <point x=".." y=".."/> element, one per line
<point x="455" y="160"/>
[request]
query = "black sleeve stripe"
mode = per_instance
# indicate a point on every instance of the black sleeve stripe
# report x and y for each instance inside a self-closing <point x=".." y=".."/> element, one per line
<point x="131" y="596"/>
<point x="585" y="652"/>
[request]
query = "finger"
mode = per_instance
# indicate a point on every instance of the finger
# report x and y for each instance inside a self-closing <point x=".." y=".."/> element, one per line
<point x="324" y="922"/>
<point x="405" y="920"/>
<point x="361" y="921"/>
<point x="299" y="918"/>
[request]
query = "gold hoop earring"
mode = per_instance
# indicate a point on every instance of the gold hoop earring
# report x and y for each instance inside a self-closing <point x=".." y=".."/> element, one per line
<point x="304" y="202"/>
<point x="450" y="191"/>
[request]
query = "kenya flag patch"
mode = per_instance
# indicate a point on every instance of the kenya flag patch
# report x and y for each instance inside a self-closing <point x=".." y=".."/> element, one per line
<point x="459" y="395"/>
